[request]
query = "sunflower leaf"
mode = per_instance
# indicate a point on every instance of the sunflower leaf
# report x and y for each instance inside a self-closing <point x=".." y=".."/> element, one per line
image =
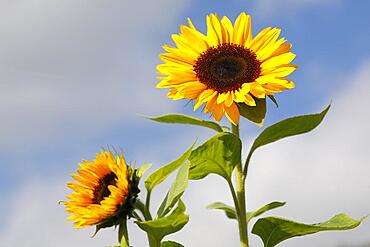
<point x="228" y="210"/>
<point x="185" y="119"/>
<point x="175" y="192"/>
<point x="273" y="230"/>
<point x="161" y="227"/>
<point x="256" y="113"/>
<point x="267" y="207"/>
<point x="286" y="128"/>
<point x="171" y="244"/>
<point x="162" y="173"/>
<point x="218" y="155"/>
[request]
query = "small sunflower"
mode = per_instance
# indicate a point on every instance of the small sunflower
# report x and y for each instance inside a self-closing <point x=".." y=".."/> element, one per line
<point x="104" y="191"/>
<point x="227" y="66"/>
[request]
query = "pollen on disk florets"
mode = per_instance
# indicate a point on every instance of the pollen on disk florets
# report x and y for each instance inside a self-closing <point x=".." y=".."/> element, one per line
<point x="226" y="67"/>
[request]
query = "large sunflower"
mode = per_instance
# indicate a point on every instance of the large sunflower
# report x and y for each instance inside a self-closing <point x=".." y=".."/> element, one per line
<point x="227" y="66"/>
<point x="103" y="191"/>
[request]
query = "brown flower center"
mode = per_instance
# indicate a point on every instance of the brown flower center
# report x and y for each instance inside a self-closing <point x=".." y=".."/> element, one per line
<point x="101" y="191"/>
<point x="227" y="67"/>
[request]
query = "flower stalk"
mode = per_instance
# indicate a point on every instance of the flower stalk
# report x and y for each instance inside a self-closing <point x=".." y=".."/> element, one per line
<point x="240" y="202"/>
<point x="123" y="233"/>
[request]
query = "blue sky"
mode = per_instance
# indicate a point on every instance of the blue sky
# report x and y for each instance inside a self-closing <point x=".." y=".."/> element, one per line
<point x="75" y="74"/>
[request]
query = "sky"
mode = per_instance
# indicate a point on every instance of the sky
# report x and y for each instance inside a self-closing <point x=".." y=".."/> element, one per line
<point x="76" y="76"/>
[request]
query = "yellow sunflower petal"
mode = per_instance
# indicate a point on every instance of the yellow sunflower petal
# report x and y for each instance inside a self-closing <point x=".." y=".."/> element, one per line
<point x="222" y="97"/>
<point x="205" y="96"/>
<point x="212" y="35"/>
<point x="257" y="90"/>
<point x="230" y="99"/>
<point x="217" y="112"/>
<point x="191" y="90"/>
<point x="242" y="34"/>
<point x="195" y="39"/>
<point x="249" y="100"/>
<point x="280" y="71"/>
<point x="211" y="103"/>
<point x="175" y="94"/>
<point x="266" y="39"/>
<point x="183" y="45"/>
<point x="228" y="26"/>
<point x="218" y="28"/>
<point x="273" y="62"/>
<point x="269" y="50"/>
<point x="232" y="113"/>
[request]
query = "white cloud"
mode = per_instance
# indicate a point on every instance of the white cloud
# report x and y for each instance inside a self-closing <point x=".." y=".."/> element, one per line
<point x="272" y="7"/>
<point x="78" y="65"/>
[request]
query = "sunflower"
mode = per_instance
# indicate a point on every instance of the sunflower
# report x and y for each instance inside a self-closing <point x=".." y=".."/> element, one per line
<point x="104" y="191"/>
<point x="227" y="66"/>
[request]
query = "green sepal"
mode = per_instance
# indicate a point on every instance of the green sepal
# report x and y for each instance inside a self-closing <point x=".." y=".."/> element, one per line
<point x="256" y="113"/>
<point x="142" y="169"/>
<point x="175" y="192"/>
<point x="274" y="230"/>
<point x="272" y="98"/>
<point x="161" y="227"/>
<point x="267" y="207"/>
<point x="162" y="173"/>
<point x="228" y="210"/>
<point x="218" y="155"/>
<point x="185" y="119"/>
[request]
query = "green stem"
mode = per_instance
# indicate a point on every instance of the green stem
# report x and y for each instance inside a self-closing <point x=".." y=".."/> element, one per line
<point x="147" y="204"/>
<point x="144" y="209"/>
<point x="235" y="198"/>
<point x="246" y="165"/>
<point x="123" y="233"/>
<point x="241" y="201"/>
<point x="153" y="242"/>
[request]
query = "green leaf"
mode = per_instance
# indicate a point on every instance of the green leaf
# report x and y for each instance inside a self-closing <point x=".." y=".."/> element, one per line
<point x="175" y="192"/>
<point x="228" y="210"/>
<point x="184" y="119"/>
<point x="273" y="230"/>
<point x="161" y="227"/>
<point x="272" y="98"/>
<point x="256" y="113"/>
<point x="142" y="169"/>
<point x="288" y="127"/>
<point x="162" y="173"/>
<point x="171" y="244"/>
<point x="218" y="155"/>
<point x="263" y="209"/>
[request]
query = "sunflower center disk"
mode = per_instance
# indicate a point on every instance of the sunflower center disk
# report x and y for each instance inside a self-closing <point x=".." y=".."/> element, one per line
<point x="102" y="191"/>
<point x="226" y="67"/>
